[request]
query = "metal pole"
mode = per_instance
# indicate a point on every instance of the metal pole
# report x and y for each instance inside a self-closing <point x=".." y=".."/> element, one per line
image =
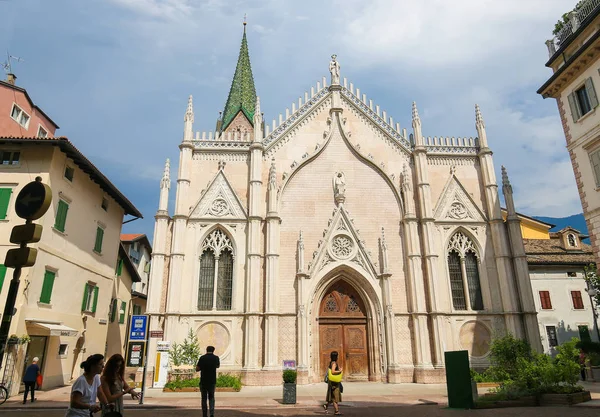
<point x="587" y="289"/>
<point x="9" y="311"/>
<point x="145" y="361"/>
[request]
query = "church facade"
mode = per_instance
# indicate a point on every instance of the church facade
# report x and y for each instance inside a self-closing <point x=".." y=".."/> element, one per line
<point x="334" y="229"/>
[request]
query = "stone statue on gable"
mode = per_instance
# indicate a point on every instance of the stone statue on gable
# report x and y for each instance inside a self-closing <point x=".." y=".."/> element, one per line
<point x="339" y="187"/>
<point x="334" y="69"/>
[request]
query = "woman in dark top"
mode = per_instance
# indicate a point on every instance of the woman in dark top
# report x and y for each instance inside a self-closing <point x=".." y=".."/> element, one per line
<point x="334" y="394"/>
<point x="29" y="378"/>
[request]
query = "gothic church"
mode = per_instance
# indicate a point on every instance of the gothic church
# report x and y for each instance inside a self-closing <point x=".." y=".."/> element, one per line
<point x="334" y="229"/>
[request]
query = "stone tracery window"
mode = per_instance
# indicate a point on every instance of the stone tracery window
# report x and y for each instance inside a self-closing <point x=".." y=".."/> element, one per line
<point x="463" y="269"/>
<point x="216" y="272"/>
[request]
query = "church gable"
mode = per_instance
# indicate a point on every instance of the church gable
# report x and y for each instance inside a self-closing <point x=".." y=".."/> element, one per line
<point x="219" y="201"/>
<point x="455" y="204"/>
<point x="341" y="243"/>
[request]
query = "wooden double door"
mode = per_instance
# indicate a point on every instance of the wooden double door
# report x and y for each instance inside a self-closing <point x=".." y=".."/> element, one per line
<point x="343" y="328"/>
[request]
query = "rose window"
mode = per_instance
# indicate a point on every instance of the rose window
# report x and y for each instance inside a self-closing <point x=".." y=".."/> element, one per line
<point x="342" y="247"/>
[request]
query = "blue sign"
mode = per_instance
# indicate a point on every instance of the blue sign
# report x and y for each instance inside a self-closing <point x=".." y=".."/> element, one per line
<point x="139" y="328"/>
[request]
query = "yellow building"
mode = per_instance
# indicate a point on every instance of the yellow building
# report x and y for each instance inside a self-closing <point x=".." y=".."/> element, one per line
<point x="532" y="228"/>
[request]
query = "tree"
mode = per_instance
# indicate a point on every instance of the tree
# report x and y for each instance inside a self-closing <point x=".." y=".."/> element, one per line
<point x="186" y="353"/>
<point x="593" y="281"/>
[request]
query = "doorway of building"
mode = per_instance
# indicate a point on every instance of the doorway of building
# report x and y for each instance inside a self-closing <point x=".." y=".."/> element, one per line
<point x="35" y="348"/>
<point x="343" y="328"/>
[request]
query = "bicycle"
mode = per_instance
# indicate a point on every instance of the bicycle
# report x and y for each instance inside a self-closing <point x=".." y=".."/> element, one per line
<point x="3" y="393"/>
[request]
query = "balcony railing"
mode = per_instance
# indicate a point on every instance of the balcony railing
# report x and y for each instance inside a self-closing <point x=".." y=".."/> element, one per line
<point x="575" y="19"/>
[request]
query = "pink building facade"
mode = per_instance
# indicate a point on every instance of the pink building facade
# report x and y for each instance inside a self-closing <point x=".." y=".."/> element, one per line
<point x="19" y="116"/>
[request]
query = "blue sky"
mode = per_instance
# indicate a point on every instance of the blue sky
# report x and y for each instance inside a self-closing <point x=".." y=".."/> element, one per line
<point x="116" y="74"/>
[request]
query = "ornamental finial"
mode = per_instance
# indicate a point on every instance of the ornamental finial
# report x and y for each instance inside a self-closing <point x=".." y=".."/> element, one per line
<point x="506" y="187"/>
<point x="478" y="117"/>
<point x="415" y="115"/>
<point x="273" y="175"/>
<point x="189" y="112"/>
<point x="166" y="178"/>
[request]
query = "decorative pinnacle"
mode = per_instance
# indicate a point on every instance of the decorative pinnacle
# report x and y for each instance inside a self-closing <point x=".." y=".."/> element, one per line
<point x="383" y="244"/>
<point x="406" y="183"/>
<point x="506" y="187"/>
<point x="478" y="117"/>
<point x="257" y="113"/>
<point x="189" y="112"/>
<point x="301" y="240"/>
<point x="272" y="175"/>
<point x="415" y="114"/>
<point x="166" y="178"/>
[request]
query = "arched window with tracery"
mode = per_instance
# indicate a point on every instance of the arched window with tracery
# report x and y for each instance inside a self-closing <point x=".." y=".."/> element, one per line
<point x="215" y="286"/>
<point x="463" y="269"/>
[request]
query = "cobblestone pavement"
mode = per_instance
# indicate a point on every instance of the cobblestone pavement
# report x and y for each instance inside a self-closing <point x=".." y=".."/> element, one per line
<point x="382" y="411"/>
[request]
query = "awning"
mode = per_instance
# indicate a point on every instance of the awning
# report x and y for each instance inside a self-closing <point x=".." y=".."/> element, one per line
<point x="56" y="329"/>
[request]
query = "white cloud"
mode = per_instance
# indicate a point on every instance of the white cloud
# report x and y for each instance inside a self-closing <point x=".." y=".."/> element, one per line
<point x="166" y="9"/>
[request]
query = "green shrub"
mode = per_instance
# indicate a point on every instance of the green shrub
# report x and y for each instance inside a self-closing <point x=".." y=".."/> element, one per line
<point x="186" y="353"/>
<point x="223" y="381"/>
<point x="229" y="381"/>
<point x="289" y="376"/>
<point x="481" y="376"/>
<point x="506" y="353"/>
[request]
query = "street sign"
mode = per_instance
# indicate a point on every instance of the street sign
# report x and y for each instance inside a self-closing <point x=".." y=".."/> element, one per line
<point x="136" y="354"/>
<point x="156" y="334"/>
<point x="33" y="200"/>
<point x="26" y="233"/>
<point x="20" y="257"/>
<point x="139" y="327"/>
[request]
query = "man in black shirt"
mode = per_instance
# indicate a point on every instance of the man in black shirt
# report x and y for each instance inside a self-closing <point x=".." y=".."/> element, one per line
<point x="207" y="365"/>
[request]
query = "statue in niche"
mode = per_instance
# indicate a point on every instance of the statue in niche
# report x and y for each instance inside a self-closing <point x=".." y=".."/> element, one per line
<point x="339" y="187"/>
<point x="334" y="69"/>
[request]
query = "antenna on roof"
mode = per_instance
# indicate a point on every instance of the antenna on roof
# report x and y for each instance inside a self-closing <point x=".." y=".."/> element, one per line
<point x="7" y="64"/>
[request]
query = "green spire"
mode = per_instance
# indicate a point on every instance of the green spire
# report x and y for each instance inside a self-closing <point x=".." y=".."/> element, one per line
<point x="242" y="95"/>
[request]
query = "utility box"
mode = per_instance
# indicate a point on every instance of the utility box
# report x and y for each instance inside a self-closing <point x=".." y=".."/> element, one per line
<point x="458" y="380"/>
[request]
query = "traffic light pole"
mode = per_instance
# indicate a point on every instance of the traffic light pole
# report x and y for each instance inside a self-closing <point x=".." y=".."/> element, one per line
<point x="9" y="308"/>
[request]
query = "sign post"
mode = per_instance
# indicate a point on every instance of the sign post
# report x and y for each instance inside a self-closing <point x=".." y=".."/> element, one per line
<point x="137" y="349"/>
<point x="31" y="203"/>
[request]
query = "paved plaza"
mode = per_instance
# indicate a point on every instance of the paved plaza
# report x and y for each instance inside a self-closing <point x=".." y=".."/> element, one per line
<point x="360" y="399"/>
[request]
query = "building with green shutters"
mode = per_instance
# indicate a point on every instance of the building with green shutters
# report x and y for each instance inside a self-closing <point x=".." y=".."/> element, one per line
<point x="64" y="300"/>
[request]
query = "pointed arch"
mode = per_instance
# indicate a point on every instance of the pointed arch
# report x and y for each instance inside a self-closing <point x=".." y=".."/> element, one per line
<point x="216" y="268"/>
<point x="463" y="260"/>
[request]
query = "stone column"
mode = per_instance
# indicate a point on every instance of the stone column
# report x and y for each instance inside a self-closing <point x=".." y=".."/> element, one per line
<point x="428" y="244"/>
<point x="272" y="275"/>
<point x="254" y="256"/>
<point x="159" y="245"/>
<point x="301" y="317"/>
<point x="508" y="291"/>
<point x="179" y="227"/>
<point x="513" y="224"/>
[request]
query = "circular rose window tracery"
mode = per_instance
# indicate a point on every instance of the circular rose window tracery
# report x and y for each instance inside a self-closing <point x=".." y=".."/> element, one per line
<point x="342" y="247"/>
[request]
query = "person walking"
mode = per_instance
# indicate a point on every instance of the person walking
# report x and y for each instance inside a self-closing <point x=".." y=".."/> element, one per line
<point x="113" y="384"/>
<point x="30" y="378"/>
<point x="207" y="365"/>
<point x="334" y="384"/>
<point x="85" y="389"/>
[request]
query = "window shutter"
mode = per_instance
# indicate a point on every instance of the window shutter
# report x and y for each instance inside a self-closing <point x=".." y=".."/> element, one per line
<point x="595" y="161"/>
<point x="85" y="298"/>
<point x="113" y="310"/>
<point x="120" y="267"/>
<point x="95" y="300"/>
<point x="591" y="92"/>
<point x="2" y="275"/>
<point x="99" y="236"/>
<point x="4" y="200"/>
<point x="122" y="315"/>
<point x="61" y="216"/>
<point x="47" y="287"/>
<point x="574" y="107"/>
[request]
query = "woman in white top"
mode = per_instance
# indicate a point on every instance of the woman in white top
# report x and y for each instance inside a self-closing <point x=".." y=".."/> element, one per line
<point x="85" y="389"/>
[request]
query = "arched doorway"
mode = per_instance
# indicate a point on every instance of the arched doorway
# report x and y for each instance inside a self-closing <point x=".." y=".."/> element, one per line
<point x="343" y="328"/>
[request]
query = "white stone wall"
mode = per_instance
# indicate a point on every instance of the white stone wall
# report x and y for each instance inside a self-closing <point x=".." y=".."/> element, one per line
<point x="562" y="315"/>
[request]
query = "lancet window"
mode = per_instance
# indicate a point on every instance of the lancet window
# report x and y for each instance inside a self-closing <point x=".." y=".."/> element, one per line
<point x="216" y="272"/>
<point x="463" y="269"/>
